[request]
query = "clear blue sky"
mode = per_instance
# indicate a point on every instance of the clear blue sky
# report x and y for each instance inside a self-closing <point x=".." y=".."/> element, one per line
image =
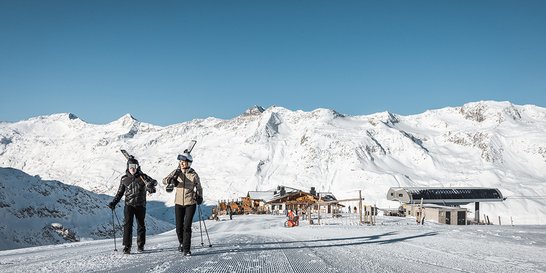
<point x="167" y="62"/>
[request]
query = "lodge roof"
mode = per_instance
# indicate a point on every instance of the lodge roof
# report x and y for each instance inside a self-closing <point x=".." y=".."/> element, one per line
<point x="291" y="196"/>
<point x="261" y="195"/>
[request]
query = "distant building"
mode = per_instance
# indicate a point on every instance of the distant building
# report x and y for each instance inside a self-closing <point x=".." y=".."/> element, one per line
<point x="440" y="214"/>
<point x="257" y="201"/>
<point x="442" y="204"/>
<point x="329" y="203"/>
<point x="281" y="200"/>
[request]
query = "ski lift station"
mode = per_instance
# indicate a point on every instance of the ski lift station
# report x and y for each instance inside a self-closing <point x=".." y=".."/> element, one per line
<point x="443" y="204"/>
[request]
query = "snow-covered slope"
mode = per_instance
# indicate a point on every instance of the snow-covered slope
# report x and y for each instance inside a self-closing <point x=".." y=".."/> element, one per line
<point x="37" y="212"/>
<point x="486" y="144"/>
<point x="259" y="243"/>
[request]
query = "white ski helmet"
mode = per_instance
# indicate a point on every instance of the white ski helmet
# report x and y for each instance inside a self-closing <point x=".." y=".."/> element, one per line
<point x="185" y="157"/>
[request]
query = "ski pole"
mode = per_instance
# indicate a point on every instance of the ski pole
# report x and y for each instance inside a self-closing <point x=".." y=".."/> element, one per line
<point x="206" y="231"/>
<point x="119" y="223"/>
<point x="114" y="230"/>
<point x="200" y="229"/>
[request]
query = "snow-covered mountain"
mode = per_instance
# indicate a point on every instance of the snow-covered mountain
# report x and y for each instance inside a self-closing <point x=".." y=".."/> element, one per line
<point x="38" y="212"/>
<point x="481" y="144"/>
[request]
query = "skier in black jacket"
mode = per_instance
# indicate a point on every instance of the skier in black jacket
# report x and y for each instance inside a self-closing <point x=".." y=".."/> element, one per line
<point x="134" y="185"/>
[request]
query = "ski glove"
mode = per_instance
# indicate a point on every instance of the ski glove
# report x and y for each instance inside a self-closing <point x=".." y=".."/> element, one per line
<point x="199" y="199"/>
<point x="150" y="186"/>
<point x="112" y="205"/>
<point x="172" y="181"/>
<point x="170" y="187"/>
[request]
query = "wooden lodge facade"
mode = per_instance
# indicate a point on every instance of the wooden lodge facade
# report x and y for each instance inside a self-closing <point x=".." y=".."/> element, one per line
<point x="298" y="201"/>
<point x="280" y="201"/>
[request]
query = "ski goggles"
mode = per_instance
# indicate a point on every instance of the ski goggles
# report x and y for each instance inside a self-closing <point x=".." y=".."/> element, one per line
<point x="134" y="166"/>
<point x="183" y="158"/>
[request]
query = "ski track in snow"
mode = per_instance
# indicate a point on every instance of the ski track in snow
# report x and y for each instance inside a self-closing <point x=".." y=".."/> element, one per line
<point x="261" y="244"/>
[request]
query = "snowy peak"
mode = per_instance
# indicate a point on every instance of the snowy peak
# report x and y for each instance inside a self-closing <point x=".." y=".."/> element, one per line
<point x="326" y="114"/>
<point x="58" y="123"/>
<point x="268" y="127"/>
<point x="125" y="121"/>
<point x="127" y="124"/>
<point x="65" y="118"/>
<point x="490" y="111"/>
<point x="59" y="117"/>
<point x="386" y="118"/>
<point x="254" y="110"/>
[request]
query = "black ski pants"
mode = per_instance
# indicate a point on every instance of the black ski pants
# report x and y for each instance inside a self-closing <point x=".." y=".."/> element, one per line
<point x="184" y="219"/>
<point x="131" y="212"/>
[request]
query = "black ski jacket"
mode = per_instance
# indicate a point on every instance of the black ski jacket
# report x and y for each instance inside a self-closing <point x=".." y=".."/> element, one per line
<point x="134" y="188"/>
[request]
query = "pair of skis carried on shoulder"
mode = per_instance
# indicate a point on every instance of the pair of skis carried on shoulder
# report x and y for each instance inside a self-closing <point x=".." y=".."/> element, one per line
<point x="188" y="150"/>
<point x="150" y="183"/>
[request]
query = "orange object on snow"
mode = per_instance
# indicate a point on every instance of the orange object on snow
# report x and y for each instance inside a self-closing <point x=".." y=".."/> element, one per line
<point x="293" y="220"/>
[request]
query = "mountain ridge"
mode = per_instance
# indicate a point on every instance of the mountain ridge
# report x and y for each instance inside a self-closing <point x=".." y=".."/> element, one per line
<point x="486" y="144"/>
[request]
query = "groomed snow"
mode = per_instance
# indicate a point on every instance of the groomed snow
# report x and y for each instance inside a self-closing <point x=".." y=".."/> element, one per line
<point x="260" y="243"/>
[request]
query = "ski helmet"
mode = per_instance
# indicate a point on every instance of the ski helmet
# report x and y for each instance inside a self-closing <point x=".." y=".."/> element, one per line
<point x="132" y="161"/>
<point x="185" y="157"/>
